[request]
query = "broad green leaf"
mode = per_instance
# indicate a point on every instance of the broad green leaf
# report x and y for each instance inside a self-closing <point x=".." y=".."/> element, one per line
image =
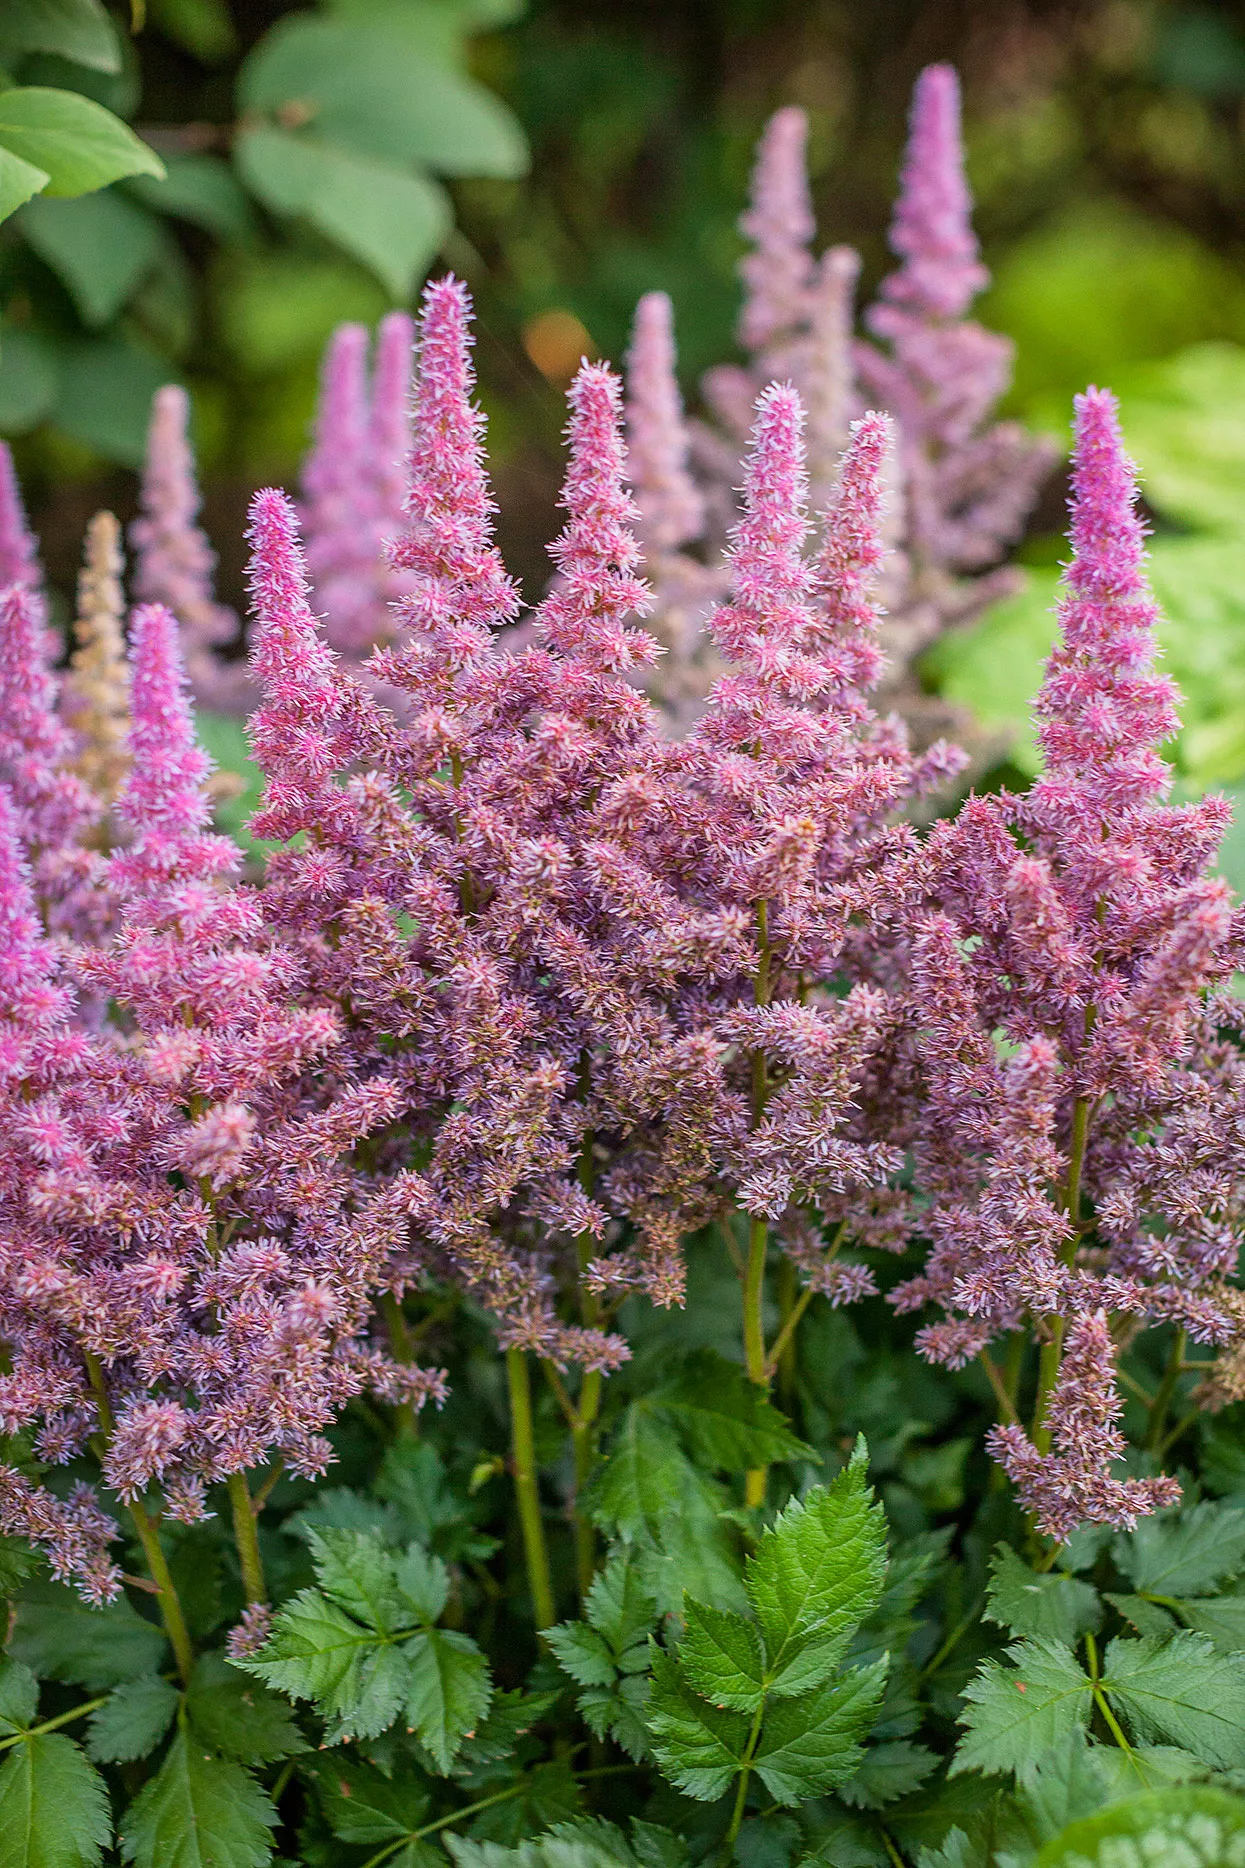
<point x="391" y="219"/>
<point x="1181" y="1691"/>
<point x="1222" y="1618"/>
<point x="198" y="1812"/>
<point x="17" y="1559"/>
<point x="132" y="1721"/>
<point x="357" y="1573"/>
<point x="1016" y="1713"/>
<point x="60" y="1638"/>
<point x="317" y="1652"/>
<point x="101" y="248"/>
<point x="698" y="1747"/>
<point x="1183" y="423"/>
<point x="583" y="1653"/>
<point x="363" y="1806"/>
<point x="817" y="1574"/>
<point x="729" y="1424"/>
<point x="1146" y="1617"/>
<point x="448" y="1693"/>
<point x="104" y="398"/>
<point x="19" y="181"/>
<point x="79" y="30"/>
<point x="368" y="92"/>
<point x="203" y="27"/>
<point x="423" y="1581"/>
<point x="81" y="145"/>
<point x="621" y="1609"/>
<point x="432" y="1510"/>
<point x="1145" y="1767"/>
<point x="1183" y="1554"/>
<point x="813" y="1744"/>
<point x="1194" y="1827"/>
<point x="720" y="1656"/>
<point x="53" y="1806"/>
<point x="19" y="1696"/>
<point x="202" y="190"/>
<point x="1050" y="1604"/>
<point x="232" y="1714"/>
<point x="670" y="1512"/>
<point x="887" y="1772"/>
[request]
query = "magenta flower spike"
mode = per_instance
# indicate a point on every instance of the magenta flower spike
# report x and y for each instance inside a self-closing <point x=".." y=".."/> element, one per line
<point x="53" y="805"/>
<point x="932" y="231"/>
<point x="672" y="511"/>
<point x="389" y="420"/>
<point x="174" y="562"/>
<point x="596" y="553"/>
<point x="779" y="221"/>
<point x="19" y="550"/>
<point x="337" y="503"/>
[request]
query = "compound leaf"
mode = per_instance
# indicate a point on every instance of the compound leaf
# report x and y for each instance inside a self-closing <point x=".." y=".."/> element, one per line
<point x="1181" y="1691"/>
<point x="699" y="1747"/>
<point x="448" y="1692"/>
<point x="1185" y="1554"/>
<point x="1016" y="1713"/>
<point x="720" y="1656"/>
<point x="53" y="1806"/>
<point x="132" y="1721"/>
<point x="813" y="1744"/>
<point x="198" y="1812"/>
<point x="1053" y="1606"/>
<point x="239" y="1717"/>
<point x="317" y="1652"/>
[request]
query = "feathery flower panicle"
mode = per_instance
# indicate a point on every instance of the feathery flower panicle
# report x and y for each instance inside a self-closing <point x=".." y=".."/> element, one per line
<point x="173" y="561"/>
<point x="779" y="222"/>
<point x="1095" y="933"/>
<point x="19" y="550"/>
<point x="389" y="420"/>
<point x="335" y="511"/>
<point x="53" y="804"/>
<point x="97" y="686"/>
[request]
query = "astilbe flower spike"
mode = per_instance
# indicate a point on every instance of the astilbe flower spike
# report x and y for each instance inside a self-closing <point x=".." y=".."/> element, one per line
<point x="1084" y="1185"/>
<point x="36" y="750"/>
<point x="173" y="561"/>
<point x="97" y="686"/>
<point x="19" y="550"/>
<point x="341" y="557"/>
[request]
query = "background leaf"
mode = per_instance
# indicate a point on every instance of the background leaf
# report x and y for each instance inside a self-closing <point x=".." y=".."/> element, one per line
<point x="198" y="1812"/>
<point x="81" y="145"/>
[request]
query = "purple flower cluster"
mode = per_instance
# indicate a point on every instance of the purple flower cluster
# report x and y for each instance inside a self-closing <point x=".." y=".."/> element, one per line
<point x="529" y="990"/>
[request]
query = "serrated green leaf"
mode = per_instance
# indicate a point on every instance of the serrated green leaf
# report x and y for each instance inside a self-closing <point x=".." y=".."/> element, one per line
<point x="1193" y="1827"/>
<point x="1145" y="1767"/>
<point x="1220" y="1618"/>
<point x="53" y="1806"/>
<point x="817" y="1574"/>
<point x="317" y="1652"/>
<point x="1016" y="1713"/>
<point x="619" y="1712"/>
<point x="81" y="145"/>
<point x="698" y="1747"/>
<point x="356" y="1571"/>
<point x="363" y="1806"/>
<point x="448" y="1692"/>
<point x="496" y="1738"/>
<point x="238" y="1716"/>
<point x="548" y="1797"/>
<point x="132" y="1721"/>
<point x="101" y="248"/>
<point x="1184" y="1554"/>
<point x="812" y="1744"/>
<point x="583" y="1653"/>
<point x="19" y="1696"/>
<point x="669" y="1512"/>
<point x="720" y="1656"/>
<point x="1146" y="1617"/>
<point x="591" y="1844"/>
<point x="60" y="1638"/>
<point x="387" y="217"/>
<point x="79" y="30"/>
<point x="423" y="1581"/>
<point x="728" y="1422"/>
<point x="887" y="1772"/>
<point x="1051" y="1605"/>
<point x="198" y="1812"/>
<point x="621" y="1609"/>
<point x="1181" y="1690"/>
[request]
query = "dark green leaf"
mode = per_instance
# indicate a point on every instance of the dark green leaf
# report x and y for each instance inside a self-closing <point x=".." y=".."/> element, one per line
<point x="1183" y="1554"/>
<point x="390" y="219"/>
<point x="720" y="1656"/>
<point x="496" y="1739"/>
<point x="53" y="1806"/>
<point x="728" y="1423"/>
<point x="1194" y="1827"/>
<point x="363" y="1806"/>
<point x="887" y="1772"/>
<point x="79" y="30"/>
<point x="812" y="1744"/>
<point x="203" y="27"/>
<point x="105" y="396"/>
<point x="1048" y="1604"/>
<point x="594" y="1844"/>
<point x="101" y="248"/>
<point x="817" y="1573"/>
<point x="357" y="1573"/>
<point x="1145" y="1767"/>
<point x="202" y="190"/>
<point x="19" y="1696"/>
<point x="697" y="1746"/>
<point x="619" y="1712"/>
<point x="1146" y="1617"/>
<point x="1016" y="1713"/>
<point x="548" y="1796"/>
<point x="81" y="145"/>
<point x="423" y="1581"/>
<point x="60" y="1638"/>
<point x="583" y="1653"/>
<point x="132" y="1722"/>
<point x="1221" y="1618"/>
<point x="317" y="1652"/>
<point x="1181" y="1690"/>
<point x="239" y="1717"/>
<point x="431" y="1510"/>
<point x="669" y="1512"/>
<point x="448" y="1693"/>
<point x="622" y="1610"/>
<point x="198" y="1812"/>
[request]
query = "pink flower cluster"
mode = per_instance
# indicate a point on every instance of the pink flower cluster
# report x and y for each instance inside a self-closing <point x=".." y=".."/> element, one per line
<point x="529" y="990"/>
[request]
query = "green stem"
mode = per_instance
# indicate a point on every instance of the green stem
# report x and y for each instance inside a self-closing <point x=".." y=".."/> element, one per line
<point x="403" y="1347"/>
<point x="1007" y="1407"/>
<point x="170" y="1603"/>
<point x="584" y="1421"/>
<point x="52" y="1725"/>
<point x="246" y="1537"/>
<point x="783" y="1345"/>
<point x="782" y="1350"/>
<point x="1052" y="1348"/>
<point x="745" y="1772"/>
<point x="1179" y="1430"/>
<point x="1166" y="1389"/>
<point x="756" y="1363"/>
<point x="1101" y="1701"/>
<point x="527" y="1494"/>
